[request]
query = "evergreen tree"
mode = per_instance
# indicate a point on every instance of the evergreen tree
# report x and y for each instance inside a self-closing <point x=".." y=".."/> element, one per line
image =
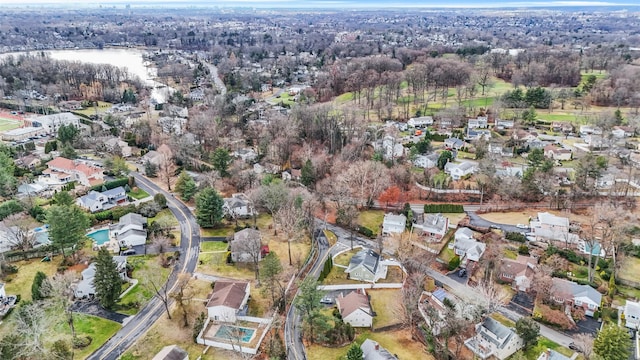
<point x="221" y="159"/>
<point x="8" y="181"/>
<point x="107" y="281"/>
<point x="150" y="169"/>
<point x="185" y="186"/>
<point x="63" y="198"/>
<point x="36" y="287"/>
<point x="67" y="225"/>
<point x="612" y="343"/>
<point x="67" y="134"/>
<point x="68" y="151"/>
<point x="354" y="353"/>
<point x="528" y="330"/>
<point x="307" y="174"/>
<point x="209" y="208"/>
<point x="445" y="157"/>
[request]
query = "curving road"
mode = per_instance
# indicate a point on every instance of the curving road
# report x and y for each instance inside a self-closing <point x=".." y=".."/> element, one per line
<point x="189" y="249"/>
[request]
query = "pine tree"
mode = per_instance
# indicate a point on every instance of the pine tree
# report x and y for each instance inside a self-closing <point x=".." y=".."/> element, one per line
<point x="612" y="343"/>
<point x="209" y="208"/>
<point x="354" y="353"/>
<point x="107" y="280"/>
<point x="36" y="287"/>
<point x="307" y="174"/>
<point x="185" y="186"/>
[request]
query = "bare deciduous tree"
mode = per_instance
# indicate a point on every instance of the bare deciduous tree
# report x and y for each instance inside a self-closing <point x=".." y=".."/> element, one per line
<point x="183" y="295"/>
<point x="247" y="247"/>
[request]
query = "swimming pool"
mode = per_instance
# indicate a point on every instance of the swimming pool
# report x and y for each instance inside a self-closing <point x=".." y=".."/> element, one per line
<point x="100" y="236"/>
<point x="232" y="332"/>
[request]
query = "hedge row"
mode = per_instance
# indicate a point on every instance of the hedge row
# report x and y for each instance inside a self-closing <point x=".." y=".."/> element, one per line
<point x="516" y="236"/>
<point x="9" y="207"/>
<point x="326" y="269"/>
<point x="366" y="231"/>
<point x="115" y="213"/>
<point x="443" y="208"/>
<point x="111" y="184"/>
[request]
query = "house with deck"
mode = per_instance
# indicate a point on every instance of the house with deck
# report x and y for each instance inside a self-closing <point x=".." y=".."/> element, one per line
<point x="100" y="201"/>
<point x="494" y="340"/>
<point x="371" y="350"/>
<point x="61" y="171"/>
<point x="238" y="206"/>
<point x="85" y="287"/>
<point x="465" y="246"/>
<point x="459" y="170"/>
<point x="519" y="272"/>
<point x="228" y="300"/>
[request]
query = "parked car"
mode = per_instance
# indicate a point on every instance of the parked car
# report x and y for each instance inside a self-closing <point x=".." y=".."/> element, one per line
<point x="327" y="300"/>
<point x="522" y="226"/>
<point x="128" y="252"/>
<point x="462" y="273"/>
<point x="574" y="347"/>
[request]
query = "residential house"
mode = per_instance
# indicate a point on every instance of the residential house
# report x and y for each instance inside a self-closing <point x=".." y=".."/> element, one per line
<point x="117" y="146"/>
<point x="481" y="122"/>
<point x="61" y="171"/>
<point x="622" y="131"/>
<point x="557" y="153"/>
<point x="445" y="125"/>
<point x="426" y="161"/>
<point x="238" y="206"/>
<point x="458" y="171"/>
<point x="85" y="287"/>
<point x="355" y="308"/>
<point x="32" y="189"/>
<point x="548" y="227"/>
<point x="576" y="295"/>
<point x="558" y="126"/>
<point x="365" y="265"/>
<point x="454" y="143"/>
<point x="552" y="355"/>
<point x="51" y="123"/>
<point x="246" y="246"/>
<point x="29" y="161"/>
<point x="589" y="130"/>
<point x="596" y="141"/>
<point x="292" y="174"/>
<point x="95" y="201"/>
<point x="504" y="124"/>
<point x="228" y="300"/>
<point x="436" y="300"/>
<point x="171" y="352"/>
<point x="371" y="350"/>
<point x="466" y="247"/>
<point x="391" y="148"/>
<point x="519" y="272"/>
<point x="246" y="155"/>
<point x="7" y="238"/>
<point x="131" y="230"/>
<point x="3" y="292"/>
<point x="631" y="314"/>
<point x="493" y="339"/>
<point x="422" y="121"/>
<point x="477" y="134"/>
<point x="158" y="157"/>
<point x="393" y="224"/>
<point x="523" y="135"/>
<point x="433" y="226"/>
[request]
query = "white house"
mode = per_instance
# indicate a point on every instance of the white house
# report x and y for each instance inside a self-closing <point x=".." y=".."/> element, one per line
<point x="420" y="121"/>
<point x="494" y="339"/>
<point x="393" y="224"/>
<point x="131" y="230"/>
<point x="465" y="246"/>
<point x="454" y="143"/>
<point x="355" y="309"/>
<point x="632" y="314"/>
<point x="371" y="350"/>
<point x="95" y="201"/>
<point x="459" y="170"/>
<point x="481" y="122"/>
<point x="238" y="206"/>
<point x="391" y="148"/>
<point x="504" y="124"/>
<point x="85" y="287"/>
<point x="426" y="161"/>
<point x="228" y="300"/>
<point x="557" y="153"/>
<point x="3" y="292"/>
<point x="622" y="131"/>
<point x="548" y="227"/>
<point x="552" y="355"/>
<point x="365" y="265"/>
<point x="117" y="145"/>
<point x="246" y="246"/>
<point x="246" y="155"/>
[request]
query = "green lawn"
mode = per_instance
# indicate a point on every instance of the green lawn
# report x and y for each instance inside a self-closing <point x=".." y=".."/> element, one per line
<point x="348" y="96"/>
<point x="510" y="254"/>
<point x="99" y="329"/>
<point x="102" y="107"/>
<point x="630" y="269"/>
<point x="8" y="124"/>
<point x="142" y="293"/>
<point x="446" y="254"/>
<point x="222" y="231"/>
<point x="213" y="246"/>
<point x="216" y="264"/>
<point x="544" y="344"/>
<point x="164" y="215"/>
<point x="20" y="283"/>
<point x="386" y="305"/>
<point x="138" y="193"/>
<point x="558" y="117"/>
<point x="480" y="102"/>
<point x="503" y="320"/>
<point x="345" y="257"/>
<point x="371" y="219"/>
<point x="331" y="237"/>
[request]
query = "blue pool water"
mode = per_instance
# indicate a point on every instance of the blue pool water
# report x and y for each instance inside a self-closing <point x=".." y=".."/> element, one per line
<point x="231" y="332"/>
<point x="100" y="236"/>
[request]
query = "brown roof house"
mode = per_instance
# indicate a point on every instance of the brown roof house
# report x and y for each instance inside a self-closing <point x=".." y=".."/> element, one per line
<point x="355" y="309"/>
<point x="171" y="352"/>
<point x="228" y="300"/>
<point x="518" y="272"/>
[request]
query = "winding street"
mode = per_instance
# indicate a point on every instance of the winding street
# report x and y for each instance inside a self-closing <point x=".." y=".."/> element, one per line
<point x="189" y="249"/>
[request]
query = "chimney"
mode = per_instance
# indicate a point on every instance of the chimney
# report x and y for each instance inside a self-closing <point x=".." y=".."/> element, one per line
<point x="377" y="346"/>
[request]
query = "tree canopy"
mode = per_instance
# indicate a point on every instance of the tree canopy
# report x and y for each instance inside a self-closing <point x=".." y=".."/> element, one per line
<point x="107" y="280"/>
<point x="67" y="225"/>
<point x="186" y="186"/>
<point x="612" y="343"/>
<point x="209" y="207"/>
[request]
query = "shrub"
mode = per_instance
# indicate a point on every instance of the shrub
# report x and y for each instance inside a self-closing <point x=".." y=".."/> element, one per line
<point x="149" y="209"/>
<point x="454" y="263"/>
<point x="516" y="236"/>
<point x="9" y="207"/>
<point x="523" y="250"/>
<point x="111" y="184"/>
<point x="366" y="231"/>
<point x="80" y="342"/>
<point x="161" y="200"/>
<point x="103" y="215"/>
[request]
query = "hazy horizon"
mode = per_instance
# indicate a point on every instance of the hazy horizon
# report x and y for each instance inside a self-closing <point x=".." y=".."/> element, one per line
<point x="317" y="4"/>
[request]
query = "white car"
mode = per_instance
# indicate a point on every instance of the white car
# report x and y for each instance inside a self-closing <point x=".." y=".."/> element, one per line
<point x="522" y="226"/>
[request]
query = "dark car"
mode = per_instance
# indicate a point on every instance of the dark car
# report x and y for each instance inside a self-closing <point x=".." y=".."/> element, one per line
<point x="462" y="273"/>
<point x="573" y="347"/>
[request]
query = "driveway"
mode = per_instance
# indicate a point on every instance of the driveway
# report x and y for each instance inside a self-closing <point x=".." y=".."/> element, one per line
<point x="92" y="307"/>
<point x="476" y="220"/>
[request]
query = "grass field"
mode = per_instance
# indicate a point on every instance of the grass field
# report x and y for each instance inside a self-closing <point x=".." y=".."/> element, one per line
<point x="386" y="305"/>
<point x="221" y="231"/>
<point x="8" y="124"/>
<point x="143" y="267"/>
<point x="543" y="344"/>
<point x="20" y="283"/>
<point x="99" y="329"/>
<point x="371" y="219"/>
<point x="138" y="193"/>
<point x="213" y="246"/>
<point x="630" y="269"/>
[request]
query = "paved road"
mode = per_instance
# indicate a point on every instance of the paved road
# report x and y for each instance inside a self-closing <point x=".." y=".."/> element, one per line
<point x="189" y="249"/>
<point x="213" y="72"/>
<point x="292" y="325"/>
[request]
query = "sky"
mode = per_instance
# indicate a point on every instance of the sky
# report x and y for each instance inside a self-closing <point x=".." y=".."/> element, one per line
<point x="327" y="3"/>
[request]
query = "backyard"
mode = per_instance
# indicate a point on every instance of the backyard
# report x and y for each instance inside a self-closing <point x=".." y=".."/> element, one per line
<point x="386" y="306"/>
<point x="143" y="266"/>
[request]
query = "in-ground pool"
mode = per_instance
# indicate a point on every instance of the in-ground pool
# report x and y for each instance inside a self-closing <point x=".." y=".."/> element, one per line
<point x="100" y="236"/>
<point x="233" y="332"/>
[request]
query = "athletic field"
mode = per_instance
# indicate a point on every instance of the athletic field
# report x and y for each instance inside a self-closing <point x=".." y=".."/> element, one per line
<point x="9" y="121"/>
